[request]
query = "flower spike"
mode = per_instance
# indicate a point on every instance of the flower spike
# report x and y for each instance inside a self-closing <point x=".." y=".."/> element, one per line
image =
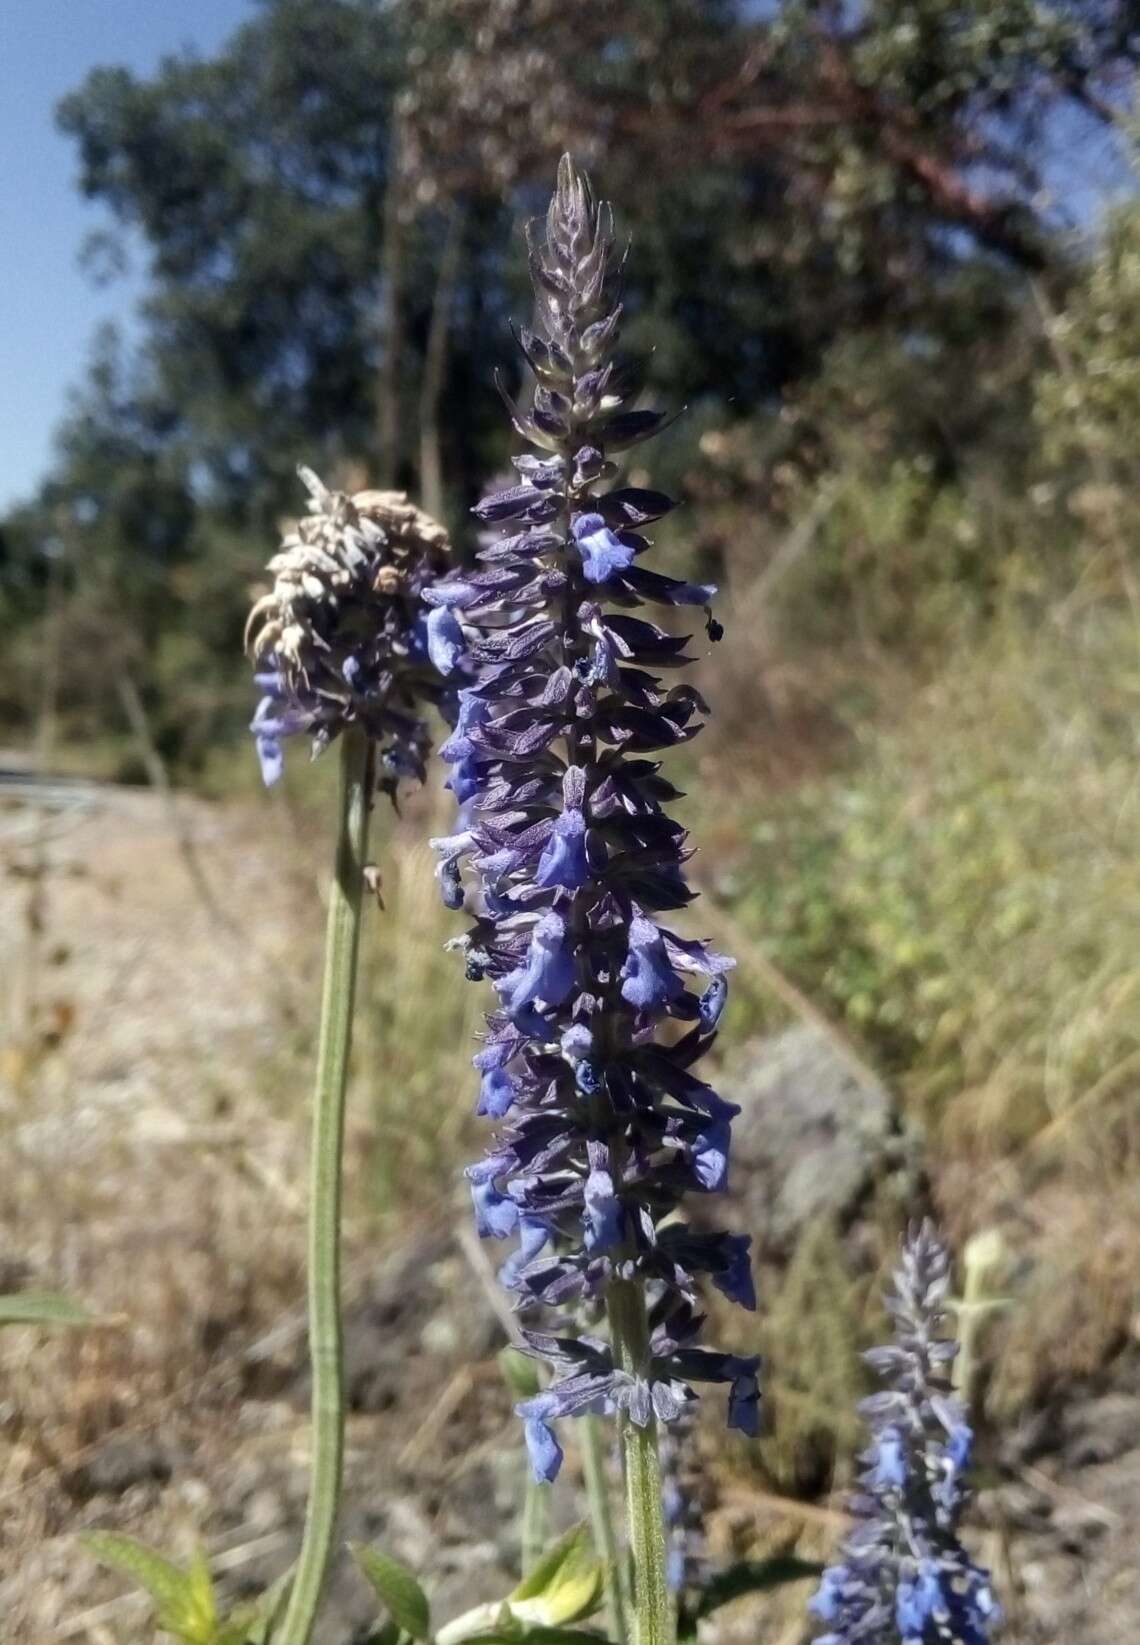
<point x="565" y="857"/>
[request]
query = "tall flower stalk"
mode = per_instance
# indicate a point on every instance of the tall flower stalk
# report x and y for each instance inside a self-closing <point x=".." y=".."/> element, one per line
<point x="903" y="1577"/>
<point x="574" y="863"/>
<point x="338" y="995"/>
<point x="342" y="652"/>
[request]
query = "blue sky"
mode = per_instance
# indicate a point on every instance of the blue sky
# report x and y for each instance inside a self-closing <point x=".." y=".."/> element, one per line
<point x="50" y="307"/>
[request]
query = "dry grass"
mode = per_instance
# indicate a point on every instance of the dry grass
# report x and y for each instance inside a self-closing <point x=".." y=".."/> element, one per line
<point x="154" y="1121"/>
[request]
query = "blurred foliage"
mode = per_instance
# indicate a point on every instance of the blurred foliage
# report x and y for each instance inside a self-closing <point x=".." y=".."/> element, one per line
<point x="814" y="1376"/>
<point x="965" y="896"/>
<point x="811" y="189"/>
<point x="1089" y="399"/>
<point x="414" y="996"/>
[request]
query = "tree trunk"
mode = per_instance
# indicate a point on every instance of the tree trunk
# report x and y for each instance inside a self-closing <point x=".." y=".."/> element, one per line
<point x="391" y="316"/>
<point x="435" y="366"/>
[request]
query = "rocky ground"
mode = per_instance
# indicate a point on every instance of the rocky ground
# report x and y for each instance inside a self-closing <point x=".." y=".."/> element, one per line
<point x="155" y="1167"/>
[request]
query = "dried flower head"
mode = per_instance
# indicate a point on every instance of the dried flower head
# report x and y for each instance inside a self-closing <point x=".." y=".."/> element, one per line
<point x="576" y="864"/>
<point x="343" y="635"/>
<point x="904" y="1575"/>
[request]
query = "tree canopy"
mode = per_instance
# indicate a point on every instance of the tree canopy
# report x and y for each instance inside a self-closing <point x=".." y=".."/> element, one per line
<point x="330" y="209"/>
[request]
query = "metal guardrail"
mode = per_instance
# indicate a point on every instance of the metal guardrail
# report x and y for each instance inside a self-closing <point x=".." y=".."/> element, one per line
<point x="43" y="808"/>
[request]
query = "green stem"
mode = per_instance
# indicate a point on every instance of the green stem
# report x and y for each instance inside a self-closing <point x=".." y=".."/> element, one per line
<point x="342" y="942"/>
<point x="533" y="1522"/>
<point x="605" y="1535"/>
<point x="653" y="1606"/>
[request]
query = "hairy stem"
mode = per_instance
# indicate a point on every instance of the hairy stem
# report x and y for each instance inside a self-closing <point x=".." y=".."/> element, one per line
<point x="325" y="1339"/>
<point x="605" y="1534"/>
<point x="645" y="1514"/>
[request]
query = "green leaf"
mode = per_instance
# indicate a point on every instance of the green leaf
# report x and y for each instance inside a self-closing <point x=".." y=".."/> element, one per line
<point x="565" y="1585"/>
<point x="184" y="1600"/>
<point x="397" y="1587"/>
<point x="754" y="1576"/>
<point x="42" y="1308"/>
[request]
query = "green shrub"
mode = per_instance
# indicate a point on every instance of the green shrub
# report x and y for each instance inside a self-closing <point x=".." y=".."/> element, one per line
<point x="965" y="894"/>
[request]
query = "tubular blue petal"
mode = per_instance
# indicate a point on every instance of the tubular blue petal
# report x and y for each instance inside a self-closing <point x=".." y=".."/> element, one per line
<point x="563" y="862"/>
<point x="496" y="1093"/>
<point x="543" y="1449"/>
<point x="444" y="639"/>
<point x="271" y="759"/>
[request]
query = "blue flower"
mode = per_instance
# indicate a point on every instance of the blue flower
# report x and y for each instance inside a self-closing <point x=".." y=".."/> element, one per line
<point x="825" y="1603"/>
<point x="496" y="1216"/>
<point x="534" y="1236"/>
<point x="889" y="1465"/>
<point x="710" y="1157"/>
<point x="548" y="974"/>
<point x="649" y="982"/>
<point x="444" y="639"/>
<point x="603" y="554"/>
<point x="959" y="1445"/>
<point x="563" y="862"/>
<point x="496" y="1093"/>
<point x="543" y="1449"/>
<point x="919" y="1602"/>
<point x="601" y="1220"/>
<point x="270" y="758"/>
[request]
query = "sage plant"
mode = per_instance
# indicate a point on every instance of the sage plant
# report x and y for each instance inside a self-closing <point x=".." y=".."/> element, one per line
<point x="903" y="1574"/>
<point x="574" y="867"/>
<point x="340" y="645"/>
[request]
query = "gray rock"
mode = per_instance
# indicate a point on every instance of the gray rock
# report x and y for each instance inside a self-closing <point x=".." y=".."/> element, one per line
<point x="122" y="1463"/>
<point x="812" y="1137"/>
<point x="1098" y="1430"/>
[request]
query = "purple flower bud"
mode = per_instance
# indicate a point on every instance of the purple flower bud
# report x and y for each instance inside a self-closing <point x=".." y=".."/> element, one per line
<point x="712" y="1003"/>
<point x="744" y="1401"/>
<point x="602" y="1214"/>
